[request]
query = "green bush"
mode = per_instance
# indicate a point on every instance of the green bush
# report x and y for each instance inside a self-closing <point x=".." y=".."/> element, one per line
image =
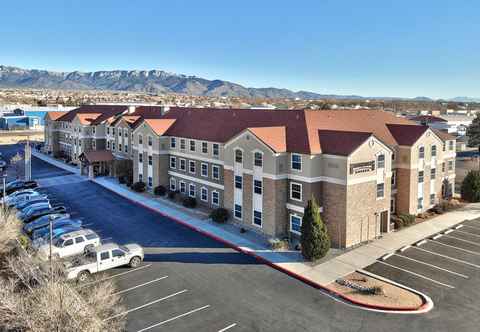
<point x="315" y="239"/>
<point x="471" y="187"/>
<point x="122" y="180"/>
<point x="189" y="202"/>
<point x="139" y="186"/>
<point x="172" y="194"/>
<point x="160" y="191"/>
<point x="220" y="215"/>
<point x="403" y="220"/>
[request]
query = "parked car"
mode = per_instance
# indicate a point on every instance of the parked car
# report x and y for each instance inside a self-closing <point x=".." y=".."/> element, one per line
<point x="3" y="164"/>
<point x="18" y="185"/>
<point x="40" y="232"/>
<point x="70" y="244"/>
<point x="38" y="242"/>
<point x="37" y="199"/>
<point x="13" y="197"/>
<point x="42" y="212"/>
<point x="31" y="208"/>
<point x="104" y="257"/>
<point x="44" y="221"/>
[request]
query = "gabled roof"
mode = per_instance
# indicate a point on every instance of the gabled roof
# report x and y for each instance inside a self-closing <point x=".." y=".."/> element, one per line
<point x="427" y="119"/>
<point x="54" y="115"/>
<point x="341" y="143"/>
<point x="406" y="134"/>
<point x="97" y="155"/>
<point x="160" y="126"/>
<point x="274" y="137"/>
<point x="443" y="135"/>
<point x="87" y="118"/>
<point x="106" y="111"/>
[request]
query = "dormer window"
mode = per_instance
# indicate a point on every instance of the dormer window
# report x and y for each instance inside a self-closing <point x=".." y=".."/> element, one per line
<point x="238" y="156"/>
<point x="296" y="162"/>
<point x="421" y="152"/>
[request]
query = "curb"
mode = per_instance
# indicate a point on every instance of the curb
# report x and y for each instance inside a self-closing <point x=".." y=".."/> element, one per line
<point x="367" y="306"/>
<point x="425" y="307"/>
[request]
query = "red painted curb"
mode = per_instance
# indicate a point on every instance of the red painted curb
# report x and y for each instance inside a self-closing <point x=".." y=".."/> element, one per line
<point x="273" y="265"/>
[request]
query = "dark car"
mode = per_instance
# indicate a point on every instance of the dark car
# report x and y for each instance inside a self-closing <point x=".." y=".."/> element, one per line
<point x="18" y="185"/>
<point x="57" y="224"/>
<point x="33" y="201"/>
<point x="42" y="212"/>
<point x="42" y="234"/>
<point x="44" y="221"/>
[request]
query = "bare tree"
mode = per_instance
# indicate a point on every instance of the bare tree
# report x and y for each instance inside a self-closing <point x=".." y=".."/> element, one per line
<point x="18" y="165"/>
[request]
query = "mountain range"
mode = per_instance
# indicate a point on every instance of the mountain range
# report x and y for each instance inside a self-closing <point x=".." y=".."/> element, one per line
<point x="153" y="82"/>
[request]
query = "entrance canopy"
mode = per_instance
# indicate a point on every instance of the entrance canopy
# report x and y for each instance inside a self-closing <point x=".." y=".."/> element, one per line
<point x="91" y="157"/>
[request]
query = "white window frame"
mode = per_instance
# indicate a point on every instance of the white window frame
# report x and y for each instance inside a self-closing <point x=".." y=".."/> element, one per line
<point x="149" y="140"/>
<point x="261" y="187"/>
<point x="290" y="223"/>
<point x="140" y="158"/>
<point x="202" y="190"/>
<point x="291" y="191"/>
<point x="291" y="162"/>
<point x="215" y="147"/>
<point x="184" y="163"/>
<point x="190" y="186"/>
<point x="140" y="139"/>
<point x="234" y="211"/>
<point x="218" y="198"/>
<point x="432" y="149"/>
<point x="261" y="219"/>
<point x="235" y="182"/>
<point x="194" y="145"/>
<point x="149" y="182"/>
<point x="150" y="160"/>
<point x="201" y="170"/>
<point x="174" y="164"/>
<point x="203" y="145"/>
<point x="192" y="162"/>
<point x="235" y="156"/>
<point x="173" y="143"/>
<point x="184" y="191"/>
<point x="378" y="161"/>
<point x="183" y="144"/>
<point x="218" y="172"/>
<point x="173" y="184"/>
<point x="254" y="158"/>
<point x="419" y="152"/>
<point x="383" y="191"/>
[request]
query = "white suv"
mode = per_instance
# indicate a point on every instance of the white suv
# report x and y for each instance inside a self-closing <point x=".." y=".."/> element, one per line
<point x="69" y="244"/>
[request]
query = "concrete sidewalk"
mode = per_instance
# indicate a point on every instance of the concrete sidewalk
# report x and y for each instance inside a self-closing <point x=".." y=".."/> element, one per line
<point x="322" y="273"/>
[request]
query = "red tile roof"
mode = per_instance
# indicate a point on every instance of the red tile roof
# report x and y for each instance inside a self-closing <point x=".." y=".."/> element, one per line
<point x="106" y="111"/>
<point x="427" y="119"/>
<point x="406" y="134"/>
<point x="98" y="155"/>
<point x="54" y="115"/>
<point x="341" y="143"/>
<point x="87" y="118"/>
<point x="444" y="136"/>
<point x="160" y="126"/>
<point x="274" y="137"/>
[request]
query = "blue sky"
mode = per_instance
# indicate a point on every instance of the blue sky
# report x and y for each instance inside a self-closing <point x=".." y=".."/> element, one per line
<point x="374" y="48"/>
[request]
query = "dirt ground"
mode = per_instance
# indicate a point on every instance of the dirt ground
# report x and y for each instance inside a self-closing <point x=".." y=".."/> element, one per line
<point x="14" y="138"/>
<point x="393" y="296"/>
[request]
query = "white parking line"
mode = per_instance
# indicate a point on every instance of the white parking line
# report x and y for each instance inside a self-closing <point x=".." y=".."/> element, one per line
<point x="115" y="275"/>
<point x="417" y="275"/>
<point x="466" y="241"/>
<point x="433" y="266"/>
<point x="141" y="285"/>
<point x="448" y="257"/>
<point x="174" y="318"/>
<point x="145" y="305"/>
<point x="476" y="235"/>
<point x="477" y="228"/>
<point x="228" y="327"/>
<point x="458" y="248"/>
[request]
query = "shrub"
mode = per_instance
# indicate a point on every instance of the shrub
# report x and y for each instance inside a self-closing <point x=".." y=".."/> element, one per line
<point x="470" y="190"/>
<point x="315" y="239"/>
<point x="189" y="202"/>
<point x="277" y="244"/>
<point x="403" y="220"/>
<point x="139" y="186"/>
<point x="160" y="191"/>
<point x="172" y="194"/>
<point x="220" y="215"/>
<point x="122" y="180"/>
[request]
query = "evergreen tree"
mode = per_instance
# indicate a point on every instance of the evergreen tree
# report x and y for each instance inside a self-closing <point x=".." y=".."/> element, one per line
<point x="471" y="187"/>
<point x="315" y="240"/>
<point x="473" y="133"/>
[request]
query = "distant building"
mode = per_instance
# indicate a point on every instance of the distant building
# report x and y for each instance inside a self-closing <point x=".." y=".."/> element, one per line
<point x="17" y="120"/>
<point x="450" y="123"/>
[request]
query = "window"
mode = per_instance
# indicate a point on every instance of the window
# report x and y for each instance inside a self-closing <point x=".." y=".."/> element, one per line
<point x="432" y="199"/>
<point x="433" y="173"/>
<point x="393" y="156"/>
<point x="450" y="145"/>
<point x="104" y="255"/>
<point x="420" y="177"/>
<point x="140" y="139"/>
<point x="91" y="236"/>
<point x="450" y="165"/>
<point x="295" y="191"/>
<point x="183" y="187"/>
<point x="394" y="179"/>
<point x="125" y="133"/>
<point x="204" y="147"/>
<point x="140" y="177"/>
<point x="443" y="167"/>
<point x="108" y="145"/>
<point x="204" y="194"/>
<point x="173" y="162"/>
<point x="113" y="146"/>
<point x="257" y="187"/>
<point x="392" y="206"/>
<point x="67" y="243"/>
<point x="434" y="151"/>
<point x="191" y="190"/>
<point x="215" y="149"/>
<point x="192" y="145"/>
<point x="150" y="181"/>
<point x="120" y="147"/>
<point x="238" y="211"/>
<point x="191" y="166"/>
<point x="257" y="218"/>
<point x="204" y="170"/>
<point x="93" y="130"/>
<point x="420" y="203"/>
<point x="126" y="148"/>
<point x="183" y="165"/>
<point x="108" y="130"/>
<point x="238" y="156"/>
<point x="182" y="144"/>
<point x="140" y="157"/>
<point x="381" y="161"/>
<point x="117" y="253"/>
<point x="444" y="147"/>
<point x="173" y="142"/>
<point x="173" y="184"/>
<point x="238" y="182"/>
<point x="421" y="152"/>
<point x="119" y="133"/>
<point x="216" y="172"/>
<point x="150" y="160"/>
<point x="380" y="190"/>
<point x="258" y="159"/>
<point x="297" y="162"/>
<point x="215" y="198"/>
<point x="150" y="141"/>
<point x="295" y="224"/>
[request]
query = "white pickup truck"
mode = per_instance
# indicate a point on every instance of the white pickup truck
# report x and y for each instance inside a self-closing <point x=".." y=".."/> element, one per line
<point x="102" y="258"/>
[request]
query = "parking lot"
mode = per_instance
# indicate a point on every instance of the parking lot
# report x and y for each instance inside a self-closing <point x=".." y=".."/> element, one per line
<point x="189" y="282"/>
